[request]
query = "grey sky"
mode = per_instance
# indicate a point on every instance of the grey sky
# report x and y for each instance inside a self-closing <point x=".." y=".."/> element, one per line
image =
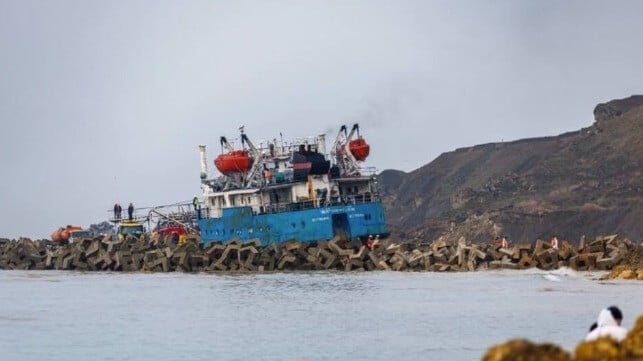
<point x="104" y="101"/>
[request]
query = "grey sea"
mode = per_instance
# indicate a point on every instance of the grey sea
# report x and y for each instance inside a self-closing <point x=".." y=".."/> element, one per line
<point x="52" y="315"/>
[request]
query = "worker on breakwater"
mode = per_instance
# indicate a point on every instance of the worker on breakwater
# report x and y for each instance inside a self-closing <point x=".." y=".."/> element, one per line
<point x="369" y="242"/>
<point x="608" y="324"/>
<point x="117" y="211"/>
<point x="130" y="211"/>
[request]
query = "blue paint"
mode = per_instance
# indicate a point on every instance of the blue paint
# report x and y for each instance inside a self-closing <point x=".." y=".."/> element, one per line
<point x="306" y="225"/>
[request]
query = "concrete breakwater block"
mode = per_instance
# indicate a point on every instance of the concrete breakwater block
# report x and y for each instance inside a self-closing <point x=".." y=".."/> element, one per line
<point x="162" y="255"/>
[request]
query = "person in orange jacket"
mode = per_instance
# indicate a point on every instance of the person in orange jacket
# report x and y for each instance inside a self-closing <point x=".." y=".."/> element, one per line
<point x="370" y="241"/>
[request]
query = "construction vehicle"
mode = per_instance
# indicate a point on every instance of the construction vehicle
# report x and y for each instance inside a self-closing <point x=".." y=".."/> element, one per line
<point x="62" y="235"/>
<point x="130" y="228"/>
<point x="174" y="225"/>
<point x="175" y="221"/>
<point x="174" y="231"/>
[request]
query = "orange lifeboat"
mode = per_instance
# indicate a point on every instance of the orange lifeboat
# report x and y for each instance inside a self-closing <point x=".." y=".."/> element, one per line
<point x="359" y="148"/>
<point x="237" y="161"/>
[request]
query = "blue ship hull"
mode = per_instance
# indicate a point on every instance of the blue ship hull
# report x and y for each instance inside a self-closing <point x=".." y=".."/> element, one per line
<point x="306" y="225"/>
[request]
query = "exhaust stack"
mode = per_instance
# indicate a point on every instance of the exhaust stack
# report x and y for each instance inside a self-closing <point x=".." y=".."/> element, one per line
<point x="204" y="163"/>
<point x="321" y="144"/>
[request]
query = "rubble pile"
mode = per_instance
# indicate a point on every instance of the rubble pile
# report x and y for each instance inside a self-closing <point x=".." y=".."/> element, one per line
<point x="162" y="255"/>
<point x="631" y="267"/>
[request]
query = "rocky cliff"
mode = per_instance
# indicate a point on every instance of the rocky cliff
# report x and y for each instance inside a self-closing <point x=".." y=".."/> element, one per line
<point x="586" y="182"/>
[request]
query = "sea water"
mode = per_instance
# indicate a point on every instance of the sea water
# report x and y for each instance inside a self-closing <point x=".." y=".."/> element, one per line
<point x="57" y="315"/>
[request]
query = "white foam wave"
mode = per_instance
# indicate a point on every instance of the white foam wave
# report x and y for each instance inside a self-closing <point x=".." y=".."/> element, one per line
<point x="564" y="271"/>
<point x="551" y="277"/>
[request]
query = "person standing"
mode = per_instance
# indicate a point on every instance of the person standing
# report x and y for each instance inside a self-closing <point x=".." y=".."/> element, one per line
<point x="267" y="174"/>
<point x="554" y="242"/>
<point x="130" y="211"/>
<point x="195" y="203"/>
<point x="505" y="242"/>
<point x="116" y="215"/>
<point x="370" y="242"/>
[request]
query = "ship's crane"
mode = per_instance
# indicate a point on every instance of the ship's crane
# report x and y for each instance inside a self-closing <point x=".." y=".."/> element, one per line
<point x="253" y="176"/>
<point x="348" y="152"/>
<point x="225" y="145"/>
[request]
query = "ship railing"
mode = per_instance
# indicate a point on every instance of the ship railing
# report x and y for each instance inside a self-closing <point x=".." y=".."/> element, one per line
<point x="295" y="206"/>
<point x="352" y="199"/>
<point x="368" y="171"/>
<point x="356" y="199"/>
<point x="318" y="203"/>
<point x="360" y="198"/>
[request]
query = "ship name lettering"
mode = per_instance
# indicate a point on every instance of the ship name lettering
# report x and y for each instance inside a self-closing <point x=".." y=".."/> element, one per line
<point x="337" y="210"/>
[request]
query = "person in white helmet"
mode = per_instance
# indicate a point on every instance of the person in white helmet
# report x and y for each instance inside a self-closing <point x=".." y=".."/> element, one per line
<point x="608" y="324"/>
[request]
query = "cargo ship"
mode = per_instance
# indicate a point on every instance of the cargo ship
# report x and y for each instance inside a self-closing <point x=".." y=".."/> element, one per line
<point x="277" y="190"/>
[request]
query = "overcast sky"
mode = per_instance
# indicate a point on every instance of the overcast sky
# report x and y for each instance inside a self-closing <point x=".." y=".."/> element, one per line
<point x="105" y="101"/>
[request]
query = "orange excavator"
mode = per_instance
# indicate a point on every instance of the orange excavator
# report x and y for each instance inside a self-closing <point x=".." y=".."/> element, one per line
<point x="62" y="235"/>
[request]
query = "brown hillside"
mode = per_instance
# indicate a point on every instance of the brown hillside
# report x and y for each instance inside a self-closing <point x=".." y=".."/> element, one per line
<point x="586" y="182"/>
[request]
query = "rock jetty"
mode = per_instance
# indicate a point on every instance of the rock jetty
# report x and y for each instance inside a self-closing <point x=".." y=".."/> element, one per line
<point x="631" y="267"/>
<point x="603" y="349"/>
<point x="131" y="255"/>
